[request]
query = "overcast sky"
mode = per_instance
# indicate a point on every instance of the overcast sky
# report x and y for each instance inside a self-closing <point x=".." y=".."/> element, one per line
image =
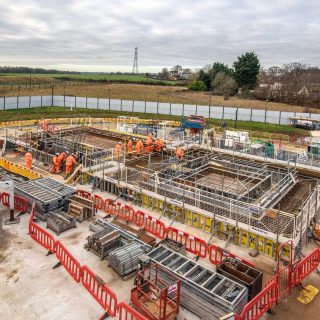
<point x="100" y="35"/>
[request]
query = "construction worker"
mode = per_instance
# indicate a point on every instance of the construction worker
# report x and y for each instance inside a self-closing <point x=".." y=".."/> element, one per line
<point x="179" y="154"/>
<point x="45" y="125"/>
<point x="118" y="148"/>
<point x="54" y="163"/>
<point x="159" y="145"/>
<point x="70" y="162"/>
<point x="139" y="147"/>
<point x="28" y="159"/>
<point x="60" y="159"/>
<point x="40" y="124"/>
<point x="149" y="147"/>
<point x="129" y="145"/>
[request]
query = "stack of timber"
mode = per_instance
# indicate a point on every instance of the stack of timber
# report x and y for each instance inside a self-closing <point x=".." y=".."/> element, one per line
<point x="81" y="208"/>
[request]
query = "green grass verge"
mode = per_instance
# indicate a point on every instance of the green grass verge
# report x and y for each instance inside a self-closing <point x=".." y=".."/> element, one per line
<point x="60" y="112"/>
<point x="95" y="77"/>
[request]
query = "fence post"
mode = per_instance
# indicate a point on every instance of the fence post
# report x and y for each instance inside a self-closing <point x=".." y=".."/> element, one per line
<point x="41" y="101"/>
<point x="4" y="103"/>
<point x="97" y="103"/>
<point x="132" y="105"/>
<point x="86" y="102"/>
<point x="75" y="102"/>
<point x="170" y="109"/>
<point x="121" y="105"/>
<point x="157" y="107"/>
<point x="251" y="114"/>
<point x="222" y="112"/>
<point x="109" y="102"/>
<point x="265" y="116"/>
<point x="196" y="109"/>
<point x="17" y="102"/>
<point x="145" y="107"/>
<point x="209" y="112"/>
<point x="280" y="117"/>
<point x="183" y="109"/>
<point x="29" y="102"/>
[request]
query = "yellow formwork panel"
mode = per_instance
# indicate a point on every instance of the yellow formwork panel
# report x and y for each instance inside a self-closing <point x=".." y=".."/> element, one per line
<point x="252" y="240"/>
<point x="244" y="238"/>
<point x="150" y="202"/>
<point x="145" y="201"/>
<point x="160" y="205"/>
<point x="261" y="246"/>
<point x="269" y="248"/>
<point x="19" y="169"/>
<point x="189" y="217"/>
<point x="286" y="251"/>
<point x="195" y="220"/>
<point x="207" y="227"/>
<point x="202" y="222"/>
<point x="179" y="214"/>
<point x="237" y="236"/>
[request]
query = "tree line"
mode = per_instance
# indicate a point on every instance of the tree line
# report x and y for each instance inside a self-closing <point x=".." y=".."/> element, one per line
<point x="7" y="69"/>
<point x="221" y="79"/>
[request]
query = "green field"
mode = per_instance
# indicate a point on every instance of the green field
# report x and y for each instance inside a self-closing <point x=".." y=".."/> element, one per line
<point x="60" y="112"/>
<point x="90" y="77"/>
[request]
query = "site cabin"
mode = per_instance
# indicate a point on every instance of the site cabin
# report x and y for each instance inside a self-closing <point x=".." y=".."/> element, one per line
<point x="305" y="123"/>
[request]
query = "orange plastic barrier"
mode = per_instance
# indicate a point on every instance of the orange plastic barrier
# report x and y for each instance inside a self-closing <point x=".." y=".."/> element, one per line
<point x="5" y="199"/>
<point x="98" y="202"/>
<point x="154" y="226"/>
<point x="100" y="291"/>
<point x="40" y="235"/>
<point x="140" y="218"/>
<point x="216" y="254"/>
<point x="193" y="244"/>
<point x="125" y="312"/>
<point x="20" y="204"/>
<point x="261" y="303"/>
<point x="111" y="207"/>
<point x="306" y="266"/>
<point x="127" y="213"/>
<point x="68" y="261"/>
<point x="84" y="194"/>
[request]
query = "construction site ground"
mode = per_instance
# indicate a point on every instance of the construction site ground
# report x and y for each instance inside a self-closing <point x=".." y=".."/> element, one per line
<point x="31" y="289"/>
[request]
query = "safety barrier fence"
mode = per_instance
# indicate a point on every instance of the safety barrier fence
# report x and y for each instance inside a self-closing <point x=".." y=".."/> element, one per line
<point x="281" y="283"/>
<point x="20" y="203"/>
<point x="83" y="274"/>
<point x="156" y="107"/>
<point x="157" y="228"/>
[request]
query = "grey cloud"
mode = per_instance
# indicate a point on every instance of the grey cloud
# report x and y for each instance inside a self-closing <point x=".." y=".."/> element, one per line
<point x="101" y="35"/>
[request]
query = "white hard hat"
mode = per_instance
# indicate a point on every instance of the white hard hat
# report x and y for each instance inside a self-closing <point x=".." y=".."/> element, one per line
<point x="57" y="153"/>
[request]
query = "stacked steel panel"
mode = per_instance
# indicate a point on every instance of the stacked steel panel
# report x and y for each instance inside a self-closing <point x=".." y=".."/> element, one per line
<point x="204" y="292"/>
<point x="47" y="194"/>
<point x="125" y="259"/>
<point x="60" y="221"/>
<point x="102" y="242"/>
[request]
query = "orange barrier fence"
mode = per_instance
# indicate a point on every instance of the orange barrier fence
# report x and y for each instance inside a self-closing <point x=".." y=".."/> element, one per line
<point x="193" y="244"/>
<point x="99" y="290"/>
<point x="20" y="203"/>
<point x="216" y="254"/>
<point x="281" y="283"/>
<point x="125" y="312"/>
<point x="260" y="304"/>
<point x="306" y="266"/>
<point x="42" y="236"/>
<point x="156" y="227"/>
<point x="68" y="261"/>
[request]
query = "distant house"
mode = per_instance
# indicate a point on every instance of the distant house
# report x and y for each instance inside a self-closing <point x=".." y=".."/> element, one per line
<point x="178" y="73"/>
